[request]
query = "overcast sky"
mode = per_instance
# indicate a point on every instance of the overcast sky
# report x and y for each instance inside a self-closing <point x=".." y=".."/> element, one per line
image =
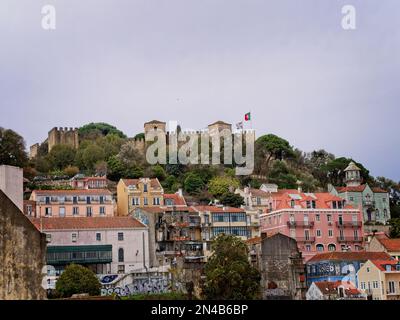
<point x="125" y="62"/>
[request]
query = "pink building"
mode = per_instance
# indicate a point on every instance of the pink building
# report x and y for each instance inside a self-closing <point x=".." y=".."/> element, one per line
<point x="73" y="203"/>
<point x="320" y="222"/>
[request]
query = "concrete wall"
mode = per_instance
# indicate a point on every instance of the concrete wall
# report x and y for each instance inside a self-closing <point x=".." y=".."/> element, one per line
<point x="22" y="254"/>
<point x="11" y="183"/>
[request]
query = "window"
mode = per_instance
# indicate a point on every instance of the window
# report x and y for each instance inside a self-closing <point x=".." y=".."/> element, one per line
<point x="145" y="187"/>
<point x="331" y="247"/>
<point x="88" y="211"/>
<point x="334" y="204"/>
<point x="47" y="211"/>
<point x="329" y="217"/>
<point x="120" y="255"/>
<point x="319" y="233"/>
<point x="319" y="247"/>
<point x="48" y="237"/>
<point x="391" y="287"/>
<point x="98" y="236"/>
<point x="74" y="237"/>
<point x="313" y="204"/>
<point x="62" y="212"/>
<point x="363" y="285"/>
<point x="351" y="198"/>
<point x="29" y="210"/>
<point x="258" y="201"/>
<point x="330" y="233"/>
<point x="121" y="268"/>
<point x="292" y="203"/>
<point x="120" y="236"/>
<point x="102" y="211"/>
<point x="317" y="217"/>
<point x="156" y="201"/>
<point x="101" y="199"/>
<point x="308" y="247"/>
<point x="135" y="201"/>
<point x="145" y="201"/>
<point x="75" y="211"/>
<point x="375" y="284"/>
<point x="88" y="200"/>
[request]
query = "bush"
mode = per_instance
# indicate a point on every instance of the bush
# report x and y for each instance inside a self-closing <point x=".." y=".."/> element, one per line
<point x="77" y="279"/>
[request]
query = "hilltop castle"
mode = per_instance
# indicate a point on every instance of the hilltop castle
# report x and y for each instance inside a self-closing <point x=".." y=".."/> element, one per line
<point x="70" y="136"/>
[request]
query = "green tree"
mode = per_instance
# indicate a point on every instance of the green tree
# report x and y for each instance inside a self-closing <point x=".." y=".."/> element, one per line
<point x="93" y="130"/>
<point x="269" y="147"/>
<point x="193" y="184"/>
<point x="394" y="227"/>
<point x="229" y="275"/>
<point x="231" y="199"/>
<point x="77" y="279"/>
<point x="91" y="155"/>
<point x="171" y="184"/>
<point x="12" y="148"/>
<point x="61" y="156"/>
<point x="70" y="171"/>
<point x="334" y="170"/>
<point x="223" y="184"/>
<point x="157" y="171"/>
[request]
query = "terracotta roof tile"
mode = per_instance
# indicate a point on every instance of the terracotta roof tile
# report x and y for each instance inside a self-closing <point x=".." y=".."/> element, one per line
<point x="175" y="198"/>
<point x="390" y="244"/>
<point x="350" y="256"/>
<point x="73" y="192"/>
<point x="217" y="209"/>
<point x="154" y="183"/>
<point x="381" y="264"/>
<point x="75" y="223"/>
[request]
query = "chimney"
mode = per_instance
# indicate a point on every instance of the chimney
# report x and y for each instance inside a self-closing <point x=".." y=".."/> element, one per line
<point x="179" y="192"/>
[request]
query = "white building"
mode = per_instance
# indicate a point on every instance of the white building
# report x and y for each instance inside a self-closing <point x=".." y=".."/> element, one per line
<point x="11" y="183"/>
<point x="107" y="245"/>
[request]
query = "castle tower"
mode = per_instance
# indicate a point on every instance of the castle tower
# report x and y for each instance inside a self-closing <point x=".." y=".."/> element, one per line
<point x="219" y="126"/>
<point x="154" y="125"/>
<point x="352" y="175"/>
<point x="67" y="136"/>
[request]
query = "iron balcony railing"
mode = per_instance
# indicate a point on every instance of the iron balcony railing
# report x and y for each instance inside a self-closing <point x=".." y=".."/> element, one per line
<point x="349" y="239"/>
<point x="348" y="224"/>
<point x="301" y="224"/>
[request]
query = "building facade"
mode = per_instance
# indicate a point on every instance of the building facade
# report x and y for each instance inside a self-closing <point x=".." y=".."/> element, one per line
<point x="106" y="245"/>
<point x="339" y="266"/>
<point x="73" y="203"/>
<point x="11" y="183"/>
<point x="282" y="268"/>
<point x="319" y="222"/>
<point x="382" y="244"/>
<point x="82" y="182"/>
<point x="374" y="202"/>
<point x="135" y="193"/>
<point x="380" y="279"/>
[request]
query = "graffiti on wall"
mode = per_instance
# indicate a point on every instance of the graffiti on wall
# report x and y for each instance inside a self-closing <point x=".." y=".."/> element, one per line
<point x="139" y="286"/>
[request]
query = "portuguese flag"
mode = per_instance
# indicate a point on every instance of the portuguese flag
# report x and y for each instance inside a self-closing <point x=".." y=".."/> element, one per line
<point x="247" y="116"/>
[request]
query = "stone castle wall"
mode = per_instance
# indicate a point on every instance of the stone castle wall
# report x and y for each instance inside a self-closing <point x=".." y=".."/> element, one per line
<point x="67" y="136"/>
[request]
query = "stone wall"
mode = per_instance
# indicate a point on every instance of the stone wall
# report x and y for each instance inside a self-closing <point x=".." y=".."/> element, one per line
<point x="22" y="254"/>
<point x="67" y="136"/>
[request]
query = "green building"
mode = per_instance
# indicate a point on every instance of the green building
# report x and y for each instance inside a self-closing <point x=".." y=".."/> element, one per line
<point x="374" y="202"/>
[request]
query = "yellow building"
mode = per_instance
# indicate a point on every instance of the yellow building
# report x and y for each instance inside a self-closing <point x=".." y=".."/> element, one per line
<point x="142" y="192"/>
<point x="380" y="279"/>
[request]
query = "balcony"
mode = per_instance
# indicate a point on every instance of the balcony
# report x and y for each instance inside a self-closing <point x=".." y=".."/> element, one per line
<point x="60" y="255"/>
<point x="368" y="203"/>
<point x="348" y="224"/>
<point x="300" y="224"/>
<point x="306" y="239"/>
<point x="349" y="239"/>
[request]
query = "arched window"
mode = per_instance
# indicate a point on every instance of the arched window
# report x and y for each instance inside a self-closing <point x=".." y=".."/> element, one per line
<point x="120" y="255"/>
<point x="319" y="247"/>
<point x="331" y="247"/>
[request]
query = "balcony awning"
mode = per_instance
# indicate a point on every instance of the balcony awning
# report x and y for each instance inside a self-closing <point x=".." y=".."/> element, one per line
<point x="60" y="255"/>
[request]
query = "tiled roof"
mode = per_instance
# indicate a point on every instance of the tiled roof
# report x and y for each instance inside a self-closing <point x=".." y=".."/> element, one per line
<point x="73" y="192"/>
<point x="330" y="287"/>
<point x="219" y="122"/>
<point x="381" y="264"/>
<point x="359" y="188"/>
<point x="390" y="244"/>
<point x="77" y="223"/>
<point x="216" y="209"/>
<point x="154" y="183"/>
<point x="283" y="199"/>
<point x="259" y="193"/>
<point x="162" y="209"/>
<point x="350" y="256"/>
<point x="177" y="199"/>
